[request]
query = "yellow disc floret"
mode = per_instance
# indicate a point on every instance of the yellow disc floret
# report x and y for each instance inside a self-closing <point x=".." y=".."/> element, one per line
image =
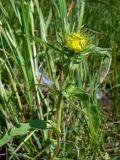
<point x="75" y="42"/>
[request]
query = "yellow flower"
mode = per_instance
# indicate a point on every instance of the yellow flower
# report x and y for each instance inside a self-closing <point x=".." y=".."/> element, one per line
<point x="76" y="42"/>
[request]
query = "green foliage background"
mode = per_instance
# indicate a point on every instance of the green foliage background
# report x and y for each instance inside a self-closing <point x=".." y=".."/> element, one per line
<point x="32" y="33"/>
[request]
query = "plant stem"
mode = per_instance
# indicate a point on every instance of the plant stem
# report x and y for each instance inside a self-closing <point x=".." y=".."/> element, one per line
<point x="58" y="117"/>
<point x="59" y="111"/>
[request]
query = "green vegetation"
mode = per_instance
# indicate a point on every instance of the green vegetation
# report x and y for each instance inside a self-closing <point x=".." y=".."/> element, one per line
<point x="59" y="79"/>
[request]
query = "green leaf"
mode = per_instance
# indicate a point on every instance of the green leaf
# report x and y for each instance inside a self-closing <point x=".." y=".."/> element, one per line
<point x="6" y="138"/>
<point x="63" y="9"/>
<point x="116" y="158"/>
<point x="63" y="159"/>
<point x="39" y="40"/>
<point x="23" y="128"/>
<point x="93" y="120"/>
<point x="48" y="19"/>
<point x="72" y="91"/>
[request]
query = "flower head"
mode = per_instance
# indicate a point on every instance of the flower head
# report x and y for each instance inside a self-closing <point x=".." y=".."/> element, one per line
<point x="76" y="42"/>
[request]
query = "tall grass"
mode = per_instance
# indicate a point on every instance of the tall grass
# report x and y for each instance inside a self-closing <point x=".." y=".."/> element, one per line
<point x="102" y="19"/>
<point x="48" y="103"/>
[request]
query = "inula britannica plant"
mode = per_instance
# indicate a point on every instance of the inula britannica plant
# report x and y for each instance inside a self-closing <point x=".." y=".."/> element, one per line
<point x="51" y="72"/>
